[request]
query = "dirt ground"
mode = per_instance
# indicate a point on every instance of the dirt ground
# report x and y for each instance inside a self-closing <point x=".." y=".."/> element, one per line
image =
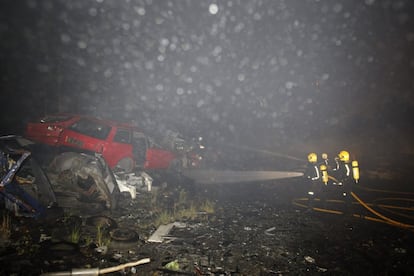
<point x="243" y="229"/>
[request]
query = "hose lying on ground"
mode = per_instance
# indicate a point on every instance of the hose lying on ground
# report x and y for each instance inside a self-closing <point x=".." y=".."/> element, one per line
<point x="379" y="217"/>
<point x="386" y="219"/>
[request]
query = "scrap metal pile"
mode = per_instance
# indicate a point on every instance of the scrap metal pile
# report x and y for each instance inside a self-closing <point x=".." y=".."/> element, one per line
<point x="72" y="180"/>
<point x="24" y="187"/>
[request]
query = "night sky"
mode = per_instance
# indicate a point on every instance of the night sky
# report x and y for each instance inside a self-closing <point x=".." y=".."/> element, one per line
<point x="227" y="69"/>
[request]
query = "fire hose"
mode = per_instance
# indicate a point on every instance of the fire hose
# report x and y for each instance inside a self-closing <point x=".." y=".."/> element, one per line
<point x="378" y="217"/>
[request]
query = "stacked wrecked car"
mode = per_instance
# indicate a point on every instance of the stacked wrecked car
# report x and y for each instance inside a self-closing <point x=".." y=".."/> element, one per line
<point x="73" y="180"/>
<point x="122" y="145"/>
<point x="25" y="189"/>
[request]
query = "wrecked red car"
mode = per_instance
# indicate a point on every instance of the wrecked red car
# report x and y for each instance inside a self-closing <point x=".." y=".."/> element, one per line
<point x="47" y="129"/>
<point x="122" y="145"/>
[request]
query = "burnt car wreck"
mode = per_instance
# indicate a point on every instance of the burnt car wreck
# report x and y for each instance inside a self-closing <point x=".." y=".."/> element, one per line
<point x="25" y="189"/>
<point x="71" y="181"/>
<point x="82" y="178"/>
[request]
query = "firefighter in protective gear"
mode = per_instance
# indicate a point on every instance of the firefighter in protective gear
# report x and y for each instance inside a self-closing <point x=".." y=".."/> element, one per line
<point x="342" y="167"/>
<point x="312" y="176"/>
<point x="325" y="159"/>
<point x="344" y="178"/>
<point x="322" y="187"/>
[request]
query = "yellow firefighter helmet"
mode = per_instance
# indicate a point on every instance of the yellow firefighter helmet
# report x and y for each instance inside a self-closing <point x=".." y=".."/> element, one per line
<point x="344" y="156"/>
<point x="312" y="157"/>
<point x="324" y="156"/>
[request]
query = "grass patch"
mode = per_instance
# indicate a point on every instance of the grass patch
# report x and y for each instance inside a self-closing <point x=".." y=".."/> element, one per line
<point x="75" y="234"/>
<point x="182" y="208"/>
<point x="164" y="217"/>
<point x="102" y="236"/>
<point x="208" y="207"/>
<point x="182" y="197"/>
<point x="155" y="200"/>
<point x="189" y="213"/>
<point x="88" y="240"/>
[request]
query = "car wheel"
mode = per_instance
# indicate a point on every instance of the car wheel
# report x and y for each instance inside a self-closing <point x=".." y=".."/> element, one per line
<point x="123" y="238"/>
<point x="126" y="164"/>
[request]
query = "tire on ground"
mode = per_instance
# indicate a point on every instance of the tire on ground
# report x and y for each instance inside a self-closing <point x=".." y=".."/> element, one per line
<point x="123" y="238"/>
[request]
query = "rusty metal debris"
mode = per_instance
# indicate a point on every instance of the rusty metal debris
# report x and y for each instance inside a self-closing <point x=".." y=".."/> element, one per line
<point x="24" y="187"/>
